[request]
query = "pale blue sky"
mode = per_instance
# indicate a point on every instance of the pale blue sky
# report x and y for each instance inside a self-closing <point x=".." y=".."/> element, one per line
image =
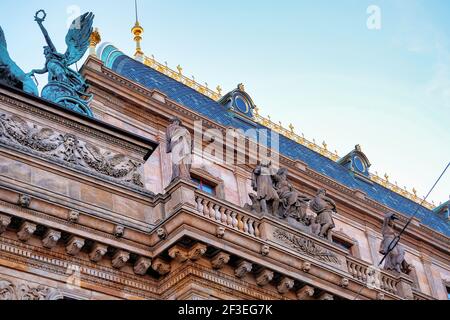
<point x="312" y="63"/>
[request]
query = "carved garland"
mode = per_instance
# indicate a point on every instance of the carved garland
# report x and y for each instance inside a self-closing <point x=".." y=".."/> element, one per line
<point x="10" y="291"/>
<point x="67" y="148"/>
<point x="306" y="246"/>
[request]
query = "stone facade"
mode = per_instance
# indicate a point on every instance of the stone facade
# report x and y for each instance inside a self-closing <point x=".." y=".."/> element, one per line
<point x="88" y="211"/>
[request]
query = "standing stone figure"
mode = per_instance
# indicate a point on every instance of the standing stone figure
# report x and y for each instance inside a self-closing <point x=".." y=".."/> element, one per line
<point x="395" y="260"/>
<point x="262" y="183"/>
<point x="324" y="208"/>
<point x="179" y="144"/>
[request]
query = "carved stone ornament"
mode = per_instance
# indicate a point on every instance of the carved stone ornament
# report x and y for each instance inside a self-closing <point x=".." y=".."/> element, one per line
<point x="73" y="216"/>
<point x="285" y="285"/>
<point x="98" y="252"/>
<point x="4" y="222"/>
<point x="74" y="246"/>
<point x="306" y="267"/>
<point x="119" y="231"/>
<point x="345" y="283"/>
<point x="242" y="269"/>
<point x="51" y="238"/>
<point x="24" y="200"/>
<point x="380" y="296"/>
<point x="161" y="267"/>
<point x="26" y="231"/>
<point x="265" y="250"/>
<point x="305" y="293"/>
<point x="264" y="277"/>
<point x="68" y="150"/>
<point x="162" y="233"/>
<point x="120" y="259"/>
<point x="142" y="265"/>
<point x="179" y="254"/>
<point x="326" y="296"/>
<point x="24" y="291"/>
<point x="220" y="232"/>
<point x="197" y="251"/>
<point x="220" y="260"/>
<point x="306" y="246"/>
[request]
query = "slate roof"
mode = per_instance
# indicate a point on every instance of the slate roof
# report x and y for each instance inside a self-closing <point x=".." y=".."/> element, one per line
<point x="190" y="98"/>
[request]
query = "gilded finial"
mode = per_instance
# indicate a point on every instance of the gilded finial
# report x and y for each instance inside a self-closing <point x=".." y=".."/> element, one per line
<point x="414" y="191"/>
<point x="180" y="69"/>
<point x="219" y="90"/>
<point x="256" y="111"/>
<point x="206" y="85"/>
<point x="386" y="177"/>
<point x="95" y="39"/>
<point x="138" y="31"/>
<point x="325" y="146"/>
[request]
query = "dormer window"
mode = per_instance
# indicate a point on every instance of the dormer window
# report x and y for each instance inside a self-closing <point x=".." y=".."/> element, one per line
<point x="239" y="102"/>
<point x="357" y="162"/>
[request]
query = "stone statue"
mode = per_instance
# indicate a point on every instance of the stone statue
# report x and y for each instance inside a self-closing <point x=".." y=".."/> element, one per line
<point x="294" y="203"/>
<point x="179" y="144"/>
<point x="324" y="207"/>
<point x="11" y="74"/>
<point x="263" y="184"/>
<point x="255" y="206"/>
<point x="66" y="86"/>
<point x="395" y="260"/>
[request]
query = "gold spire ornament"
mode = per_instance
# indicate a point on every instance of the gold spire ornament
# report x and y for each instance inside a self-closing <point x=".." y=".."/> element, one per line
<point x="138" y="31"/>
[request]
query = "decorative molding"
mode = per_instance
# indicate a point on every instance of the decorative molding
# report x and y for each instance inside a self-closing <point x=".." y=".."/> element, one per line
<point x="68" y="150"/>
<point x="73" y="216"/>
<point x="119" y="231"/>
<point x="179" y="254"/>
<point x="24" y="291"/>
<point x="197" y="251"/>
<point x="306" y="246"/>
<point x="24" y="200"/>
<point x="161" y="267"/>
<point x="305" y="293"/>
<point x="265" y="250"/>
<point x="326" y="296"/>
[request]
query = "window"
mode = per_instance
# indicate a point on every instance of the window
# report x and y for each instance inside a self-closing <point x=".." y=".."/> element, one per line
<point x="343" y="244"/>
<point x="205" y="186"/>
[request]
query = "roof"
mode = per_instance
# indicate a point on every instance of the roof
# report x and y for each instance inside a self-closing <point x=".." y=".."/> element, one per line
<point x="194" y="100"/>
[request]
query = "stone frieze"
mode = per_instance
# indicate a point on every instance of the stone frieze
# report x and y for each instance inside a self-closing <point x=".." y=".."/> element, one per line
<point x="23" y="291"/>
<point x="306" y="246"/>
<point x="68" y="149"/>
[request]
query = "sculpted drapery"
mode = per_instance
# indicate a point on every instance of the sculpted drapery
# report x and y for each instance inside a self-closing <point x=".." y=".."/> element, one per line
<point x="179" y="144"/>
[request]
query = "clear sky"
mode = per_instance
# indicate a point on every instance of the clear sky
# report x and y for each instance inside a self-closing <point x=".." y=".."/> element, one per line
<point x="314" y="64"/>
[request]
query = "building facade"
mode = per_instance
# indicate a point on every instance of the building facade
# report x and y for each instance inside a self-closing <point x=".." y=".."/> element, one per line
<point x="92" y="208"/>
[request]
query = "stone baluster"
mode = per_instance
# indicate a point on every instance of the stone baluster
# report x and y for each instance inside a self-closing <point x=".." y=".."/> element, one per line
<point x="245" y="224"/>
<point x="251" y="228"/>
<point x="205" y="208"/>
<point x="235" y="221"/>
<point x="229" y="214"/>
<point x="223" y="215"/>
<point x="212" y="212"/>
<point x="199" y="205"/>
<point x="218" y="213"/>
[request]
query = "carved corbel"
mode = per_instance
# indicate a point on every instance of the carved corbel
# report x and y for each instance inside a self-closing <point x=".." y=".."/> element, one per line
<point x="179" y="254"/>
<point x="98" y="252"/>
<point x="51" y="238"/>
<point x="264" y="277"/>
<point x="26" y="231"/>
<point x="243" y="268"/>
<point x="24" y="201"/>
<point x="326" y="296"/>
<point x="119" y="231"/>
<point x="197" y="251"/>
<point x="306" y="267"/>
<point x="141" y="266"/>
<point x="120" y="259"/>
<point x="220" y="260"/>
<point x="265" y="250"/>
<point x="74" y="246"/>
<point x="4" y="223"/>
<point x="161" y="266"/>
<point x="73" y="216"/>
<point x="305" y="293"/>
<point x="285" y="285"/>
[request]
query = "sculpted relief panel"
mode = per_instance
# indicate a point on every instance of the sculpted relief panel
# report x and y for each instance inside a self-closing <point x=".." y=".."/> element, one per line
<point x="23" y="291"/>
<point x="68" y="150"/>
